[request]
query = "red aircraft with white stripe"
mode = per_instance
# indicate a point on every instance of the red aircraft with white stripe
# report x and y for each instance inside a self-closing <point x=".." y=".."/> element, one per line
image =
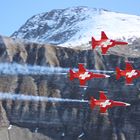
<point x="83" y="75"/>
<point x="105" y="43"/>
<point x="129" y="73"/>
<point x="104" y="103"/>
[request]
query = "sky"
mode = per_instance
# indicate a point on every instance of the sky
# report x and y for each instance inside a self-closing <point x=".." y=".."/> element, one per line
<point x="14" y="13"/>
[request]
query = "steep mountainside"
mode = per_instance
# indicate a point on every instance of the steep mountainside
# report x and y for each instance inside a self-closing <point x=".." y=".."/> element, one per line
<point x="74" y="26"/>
<point x="67" y="121"/>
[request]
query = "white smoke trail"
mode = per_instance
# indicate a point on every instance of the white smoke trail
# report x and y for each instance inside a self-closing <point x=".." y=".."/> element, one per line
<point x="22" y="97"/>
<point x="102" y="71"/>
<point x="15" y="69"/>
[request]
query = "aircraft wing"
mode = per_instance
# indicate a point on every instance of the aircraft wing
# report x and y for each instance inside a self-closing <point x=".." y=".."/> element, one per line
<point x="81" y="68"/>
<point x="104" y="49"/>
<point x="128" y="66"/>
<point x="129" y="80"/>
<point x="103" y="109"/>
<point x="82" y="82"/>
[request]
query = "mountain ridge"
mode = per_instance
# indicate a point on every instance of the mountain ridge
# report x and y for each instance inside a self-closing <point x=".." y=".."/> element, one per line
<point x="74" y="26"/>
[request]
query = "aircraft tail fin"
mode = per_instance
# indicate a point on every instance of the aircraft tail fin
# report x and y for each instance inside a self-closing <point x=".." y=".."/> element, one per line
<point x="118" y="73"/>
<point x="81" y="67"/>
<point x="94" y="43"/>
<point x="102" y="96"/>
<point x="92" y="102"/>
<point x="71" y="76"/>
<point x="103" y="35"/>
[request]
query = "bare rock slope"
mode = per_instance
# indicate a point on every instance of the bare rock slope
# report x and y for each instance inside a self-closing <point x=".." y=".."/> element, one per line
<point x="54" y="119"/>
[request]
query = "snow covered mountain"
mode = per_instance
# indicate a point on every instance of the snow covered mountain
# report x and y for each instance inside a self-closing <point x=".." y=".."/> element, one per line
<point x="75" y="26"/>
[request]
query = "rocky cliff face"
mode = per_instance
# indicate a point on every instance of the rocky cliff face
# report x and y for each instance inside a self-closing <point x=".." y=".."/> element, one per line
<point x="54" y="119"/>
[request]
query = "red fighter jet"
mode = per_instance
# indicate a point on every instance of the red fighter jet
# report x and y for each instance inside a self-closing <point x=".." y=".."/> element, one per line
<point x="105" y="43"/>
<point x="129" y="73"/>
<point x="83" y="75"/>
<point x="104" y="103"/>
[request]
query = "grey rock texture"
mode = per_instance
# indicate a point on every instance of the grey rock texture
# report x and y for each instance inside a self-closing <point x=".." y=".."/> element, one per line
<point x="53" y="119"/>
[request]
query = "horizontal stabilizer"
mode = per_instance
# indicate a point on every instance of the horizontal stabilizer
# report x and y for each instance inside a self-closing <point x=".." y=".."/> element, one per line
<point x="94" y="43"/>
<point x="118" y="73"/>
<point x="71" y="74"/>
<point x="92" y="102"/>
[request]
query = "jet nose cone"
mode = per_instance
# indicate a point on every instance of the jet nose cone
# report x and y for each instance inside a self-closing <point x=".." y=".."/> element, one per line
<point x="107" y="76"/>
<point x="127" y="104"/>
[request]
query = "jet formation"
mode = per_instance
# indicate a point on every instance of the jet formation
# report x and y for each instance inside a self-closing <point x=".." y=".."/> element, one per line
<point x="84" y="75"/>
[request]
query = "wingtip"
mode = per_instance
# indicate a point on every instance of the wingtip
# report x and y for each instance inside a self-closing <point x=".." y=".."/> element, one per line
<point x="83" y="86"/>
<point x="103" y="91"/>
<point x="127" y="104"/>
<point x="107" y="76"/>
<point x="129" y="84"/>
<point x="104" y="113"/>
